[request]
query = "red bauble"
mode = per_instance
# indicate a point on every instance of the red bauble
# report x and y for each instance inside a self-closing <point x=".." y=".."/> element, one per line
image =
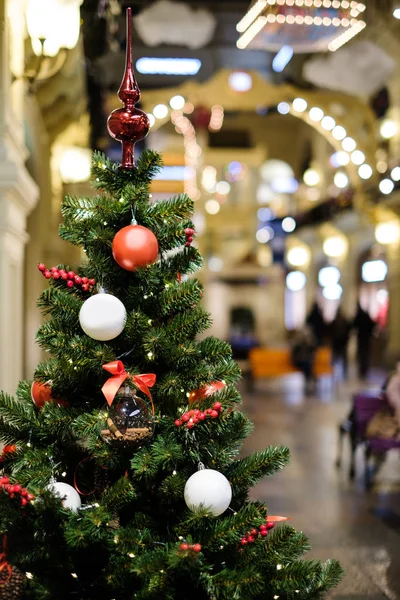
<point x="41" y="393"/>
<point x="206" y="391"/>
<point x="134" y="246"/>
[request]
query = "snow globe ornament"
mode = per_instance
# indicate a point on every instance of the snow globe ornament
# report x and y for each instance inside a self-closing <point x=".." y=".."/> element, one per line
<point x="129" y="420"/>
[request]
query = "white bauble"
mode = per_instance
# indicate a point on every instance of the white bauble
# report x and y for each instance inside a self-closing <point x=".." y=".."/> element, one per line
<point x="208" y="489"/>
<point x="69" y="496"/>
<point x="102" y="317"/>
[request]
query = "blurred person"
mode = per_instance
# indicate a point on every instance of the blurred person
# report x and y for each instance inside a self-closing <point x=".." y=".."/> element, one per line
<point x="340" y="329"/>
<point x="315" y="320"/>
<point x="364" y="326"/>
<point x="304" y="346"/>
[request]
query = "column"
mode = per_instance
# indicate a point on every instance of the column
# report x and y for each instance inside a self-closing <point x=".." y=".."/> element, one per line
<point x="18" y="196"/>
<point x="393" y="259"/>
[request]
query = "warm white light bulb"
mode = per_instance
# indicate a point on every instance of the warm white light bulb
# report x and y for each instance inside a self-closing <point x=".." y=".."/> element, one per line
<point x="341" y="180"/>
<point x="316" y="114"/>
<point x="288" y="224"/>
<point x="212" y="207"/>
<point x="388" y="129"/>
<point x="365" y="171"/>
<point x="357" y="157"/>
<point x="328" y="123"/>
<point x="335" y="246"/>
<point x="387" y="233"/>
<point x="177" y="102"/>
<point x="299" y="105"/>
<point x="339" y="132"/>
<point x="386" y="186"/>
<point x="349" y="144"/>
<point x="311" y="177"/>
<point x="395" y="174"/>
<point x="160" y="111"/>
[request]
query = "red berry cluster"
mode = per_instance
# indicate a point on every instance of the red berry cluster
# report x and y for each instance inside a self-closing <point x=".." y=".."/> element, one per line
<point x="68" y="276"/>
<point x="16" y="490"/>
<point x="189" y="232"/>
<point x="251" y="537"/>
<point x="194" y="547"/>
<point x="192" y="417"/>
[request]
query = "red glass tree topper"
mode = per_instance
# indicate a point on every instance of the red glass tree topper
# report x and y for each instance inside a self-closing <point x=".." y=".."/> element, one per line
<point x="128" y="124"/>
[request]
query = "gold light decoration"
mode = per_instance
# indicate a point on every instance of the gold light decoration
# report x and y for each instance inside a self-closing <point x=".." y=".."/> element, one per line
<point x="305" y="25"/>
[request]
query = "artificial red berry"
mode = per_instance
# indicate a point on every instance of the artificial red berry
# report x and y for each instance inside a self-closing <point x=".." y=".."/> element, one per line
<point x="208" y="411"/>
<point x="184" y="547"/>
<point x="5" y="479"/>
<point x="185" y="418"/>
<point x="12" y="495"/>
<point x="85" y="287"/>
<point x="85" y="280"/>
<point x="196" y="412"/>
<point x="70" y="283"/>
<point x="24" y="501"/>
<point x="24" y="493"/>
<point x="263" y="532"/>
<point x="214" y="414"/>
<point x="202" y="416"/>
<point x="78" y="280"/>
<point x="56" y="275"/>
<point x="263" y="528"/>
<point x="250" y="539"/>
<point x="11" y="489"/>
<point x="217" y="405"/>
<point x="270" y="524"/>
<point x="30" y="497"/>
<point x="17" y="488"/>
<point x="254" y="532"/>
<point x="47" y="274"/>
<point x="41" y="267"/>
<point x="196" y="548"/>
<point x="178" y="422"/>
<point x="188" y="244"/>
<point x="189" y="239"/>
<point x="71" y="274"/>
<point x="64" y="275"/>
<point x="92" y="281"/>
<point x="243" y="541"/>
<point x="195" y="419"/>
<point x="53" y="269"/>
<point x="190" y="425"/>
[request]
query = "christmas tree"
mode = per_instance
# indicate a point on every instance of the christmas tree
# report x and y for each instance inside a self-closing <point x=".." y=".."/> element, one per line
<point x="121" y="471"/>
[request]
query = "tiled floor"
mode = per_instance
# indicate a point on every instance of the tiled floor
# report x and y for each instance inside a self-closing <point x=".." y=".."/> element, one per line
<point x="361" y="529"/>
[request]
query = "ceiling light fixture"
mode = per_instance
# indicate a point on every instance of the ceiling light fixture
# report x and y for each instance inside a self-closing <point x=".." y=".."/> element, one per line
<point x="149" y="65"/>
<point x="302" y="25"/>
<point x="282" y="59"/>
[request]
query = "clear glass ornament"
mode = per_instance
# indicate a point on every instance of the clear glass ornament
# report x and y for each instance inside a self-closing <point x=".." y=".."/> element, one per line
<point x="129" y="420"/>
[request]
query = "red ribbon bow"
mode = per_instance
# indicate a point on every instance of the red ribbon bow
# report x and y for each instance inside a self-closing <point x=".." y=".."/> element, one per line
<point x="4" y="564"/>
<point x="116" y="368"/>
